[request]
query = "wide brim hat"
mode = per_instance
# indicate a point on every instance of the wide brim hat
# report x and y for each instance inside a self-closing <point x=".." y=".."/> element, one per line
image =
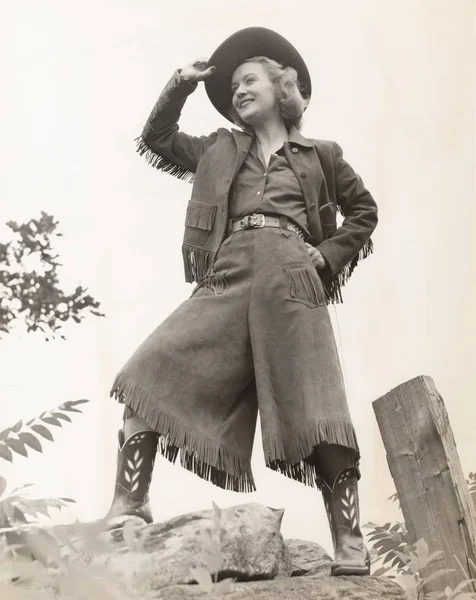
<point x="245" y="44"/>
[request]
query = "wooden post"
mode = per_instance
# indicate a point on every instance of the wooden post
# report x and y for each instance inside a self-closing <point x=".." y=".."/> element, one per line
<point x="424" y="463"/>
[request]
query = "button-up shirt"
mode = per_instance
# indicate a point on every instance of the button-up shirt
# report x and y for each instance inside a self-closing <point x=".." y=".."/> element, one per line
<point x="269" y="190"/>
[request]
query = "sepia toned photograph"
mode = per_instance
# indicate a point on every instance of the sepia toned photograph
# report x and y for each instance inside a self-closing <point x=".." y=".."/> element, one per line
<point x="237" y="285"/>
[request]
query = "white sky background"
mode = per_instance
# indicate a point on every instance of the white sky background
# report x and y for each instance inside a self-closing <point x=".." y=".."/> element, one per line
<point x="393" y="83"/>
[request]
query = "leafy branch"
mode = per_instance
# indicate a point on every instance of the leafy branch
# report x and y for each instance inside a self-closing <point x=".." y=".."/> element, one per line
<point x="471" y="481"/>
<point x="207" y="578"/>
<point x="391" y="540"/>
<point x="57" y="573"/>
<point x="22" y="436"/>
<point x="405" y="563"/>
<point x="29" y="283"/>
<point x="17" y="510"/>
<point x="414" y="582"/>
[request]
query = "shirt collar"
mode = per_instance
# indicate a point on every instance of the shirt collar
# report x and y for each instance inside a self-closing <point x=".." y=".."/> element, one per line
<point x="294" y="137"/>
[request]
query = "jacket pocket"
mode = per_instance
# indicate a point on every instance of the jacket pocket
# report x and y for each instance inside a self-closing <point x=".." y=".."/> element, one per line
<point x="327" y="216"/>
<point x="303" y="284"/>
<point x="198" y="222"/>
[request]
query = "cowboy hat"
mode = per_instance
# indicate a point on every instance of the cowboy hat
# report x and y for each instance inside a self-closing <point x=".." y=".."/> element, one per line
<point x="245" y="44"/>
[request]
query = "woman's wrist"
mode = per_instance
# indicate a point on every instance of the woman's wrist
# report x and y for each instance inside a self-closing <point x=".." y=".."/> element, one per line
<point x="196" y="71"/>
<point x="182" y="76"/>
<point x="186" y="80"/>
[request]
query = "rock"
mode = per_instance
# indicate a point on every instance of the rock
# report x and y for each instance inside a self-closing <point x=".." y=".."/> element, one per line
<point x="308" y="558"/>
<point x="156" y="561"/>
<point x="252" y="547"/>
<point x="299" y="588"/>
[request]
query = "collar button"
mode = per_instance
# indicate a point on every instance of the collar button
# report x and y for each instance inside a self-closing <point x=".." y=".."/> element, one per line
<point x="295" y="150"/>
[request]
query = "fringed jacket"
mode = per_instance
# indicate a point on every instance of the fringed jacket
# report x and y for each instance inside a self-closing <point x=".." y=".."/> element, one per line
<point x="328" y="182"/>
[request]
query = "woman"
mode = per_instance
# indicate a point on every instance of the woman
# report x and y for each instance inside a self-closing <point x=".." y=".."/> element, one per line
<point x="262" y="243"/>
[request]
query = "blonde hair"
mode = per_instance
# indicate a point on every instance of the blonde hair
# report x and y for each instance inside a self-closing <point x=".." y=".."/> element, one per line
<point x="292" y="104"/>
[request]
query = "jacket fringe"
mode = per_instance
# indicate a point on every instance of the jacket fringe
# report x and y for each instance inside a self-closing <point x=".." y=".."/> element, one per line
<point x="299" y="463"/>
<point x="198" y="454"/>
<point x="196" y="262"/>
<point x="334" y="283"/>
<point x="161" y="163"/>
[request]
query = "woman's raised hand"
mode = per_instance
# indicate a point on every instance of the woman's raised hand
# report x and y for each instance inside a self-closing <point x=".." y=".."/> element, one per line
<point x="198" y="70"/>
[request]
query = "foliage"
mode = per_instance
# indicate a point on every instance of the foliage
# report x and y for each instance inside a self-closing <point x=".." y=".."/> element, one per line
<point x="38" y="562"/>
<point x="391" y="540"/>
<point x="207" y="578"/>
<point x="414" y="582"/>
<point x="61" y="566"/>
<point x="415" y="561"/>
<point x="18" y="509"/>
<point x="29" y="285"/>
<point x="407" y="564"/>
<point x="471" y="481"/>
<point x="20" y="436"/>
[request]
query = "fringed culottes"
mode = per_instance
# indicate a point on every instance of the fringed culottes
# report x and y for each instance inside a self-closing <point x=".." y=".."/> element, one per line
<point x="254" y="335"/>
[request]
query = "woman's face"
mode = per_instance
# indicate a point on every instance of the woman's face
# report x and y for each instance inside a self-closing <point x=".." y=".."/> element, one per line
<point x="254" y="96"/>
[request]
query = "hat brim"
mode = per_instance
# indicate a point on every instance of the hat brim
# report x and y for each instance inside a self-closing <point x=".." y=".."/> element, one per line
<point x="245" y="44"/>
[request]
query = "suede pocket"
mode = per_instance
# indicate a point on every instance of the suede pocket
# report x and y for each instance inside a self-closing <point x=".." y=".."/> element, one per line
<point x="303" y="284"/>
<point x="198" y="222"/>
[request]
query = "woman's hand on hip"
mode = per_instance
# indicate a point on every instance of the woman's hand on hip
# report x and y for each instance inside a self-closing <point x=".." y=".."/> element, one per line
<point x="196" y="71"/>
<point x="317" y="259"/>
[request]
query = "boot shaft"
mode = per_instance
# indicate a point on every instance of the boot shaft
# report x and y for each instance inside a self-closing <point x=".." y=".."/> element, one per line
<point x="342" y="501"/>
<point x="342" y="506"/>
<point x="135" y="464"/>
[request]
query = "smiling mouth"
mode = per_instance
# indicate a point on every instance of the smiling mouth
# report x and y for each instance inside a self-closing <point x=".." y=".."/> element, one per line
<point x="245" y="102"/>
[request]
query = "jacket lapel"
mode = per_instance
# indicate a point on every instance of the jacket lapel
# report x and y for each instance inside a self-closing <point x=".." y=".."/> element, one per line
<point x="243" y="141"/>
<point x="304" y="161"/>
<point x="228" y="161"/>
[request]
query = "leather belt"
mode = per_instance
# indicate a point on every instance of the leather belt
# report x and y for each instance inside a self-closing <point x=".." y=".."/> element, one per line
<point x="258" y="220"/>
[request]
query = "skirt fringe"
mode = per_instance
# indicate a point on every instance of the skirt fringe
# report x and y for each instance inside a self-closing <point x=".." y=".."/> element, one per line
<point x="298" y="463"/>
<point x="198" y="454"/>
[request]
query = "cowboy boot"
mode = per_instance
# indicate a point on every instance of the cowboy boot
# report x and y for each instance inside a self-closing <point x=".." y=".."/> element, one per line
<point x="342" y="507"/>
<point x="135" y="463"/>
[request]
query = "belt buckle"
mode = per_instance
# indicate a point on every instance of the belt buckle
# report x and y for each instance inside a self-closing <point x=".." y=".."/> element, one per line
<point x="254" y="222"/>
